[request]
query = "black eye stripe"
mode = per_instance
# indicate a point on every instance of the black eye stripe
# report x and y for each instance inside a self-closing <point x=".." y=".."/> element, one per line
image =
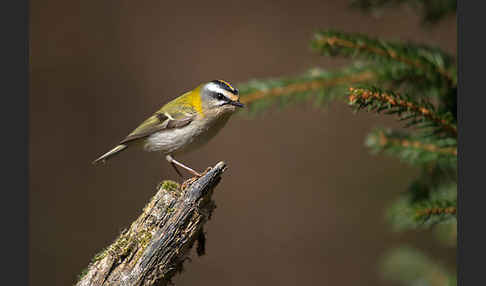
<point x="219" y="96"/>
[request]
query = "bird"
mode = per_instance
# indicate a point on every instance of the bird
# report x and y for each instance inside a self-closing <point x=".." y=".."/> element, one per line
<point x="183" y="124"/>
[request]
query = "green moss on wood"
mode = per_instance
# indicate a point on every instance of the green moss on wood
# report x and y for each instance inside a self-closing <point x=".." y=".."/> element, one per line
<point x="122" y="247"/>
<point x="170" y="186"/>
<point x="143" y="240"/>
<point x="100" y="255"/>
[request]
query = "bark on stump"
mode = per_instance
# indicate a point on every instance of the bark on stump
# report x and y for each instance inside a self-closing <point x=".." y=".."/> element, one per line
<point x="153" y="249"/>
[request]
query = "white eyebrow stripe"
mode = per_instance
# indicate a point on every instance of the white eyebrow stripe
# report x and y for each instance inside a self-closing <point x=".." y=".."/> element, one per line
<point x="215" y="88"/>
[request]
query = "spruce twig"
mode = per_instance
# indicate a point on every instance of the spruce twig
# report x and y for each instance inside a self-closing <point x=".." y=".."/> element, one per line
<point x="323" y="85"/>
<point x="413" y="149"/>
<point x="306" y="86"/>
<point x="317" y="84"/>
<point x="378" y="100"/>
<point x="435" y="211"/>
<point x="419" y="57"/>
<point x="424" y="205"/>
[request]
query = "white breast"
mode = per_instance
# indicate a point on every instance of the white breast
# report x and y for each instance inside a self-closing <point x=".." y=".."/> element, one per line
<point x="187" y="138"/>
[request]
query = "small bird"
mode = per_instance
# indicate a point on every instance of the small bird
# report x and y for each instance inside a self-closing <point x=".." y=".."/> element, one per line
<point x="183" y="124"/>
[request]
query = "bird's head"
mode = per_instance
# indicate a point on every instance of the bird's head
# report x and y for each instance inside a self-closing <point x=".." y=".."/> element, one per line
<point x="220" y="97"/>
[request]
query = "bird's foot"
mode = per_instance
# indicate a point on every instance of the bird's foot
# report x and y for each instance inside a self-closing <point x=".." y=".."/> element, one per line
<point x="197" y="175"/>
<point x="188" y="182"/>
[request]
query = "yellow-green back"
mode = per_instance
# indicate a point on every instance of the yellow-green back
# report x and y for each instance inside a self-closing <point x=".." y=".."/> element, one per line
<point x="184" y="106"/>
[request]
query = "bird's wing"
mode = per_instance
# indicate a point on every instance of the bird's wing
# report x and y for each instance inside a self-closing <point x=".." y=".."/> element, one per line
<point x="161" y="120"/>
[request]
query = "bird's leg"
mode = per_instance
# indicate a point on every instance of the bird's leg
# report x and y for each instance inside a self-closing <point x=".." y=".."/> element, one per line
<point x="175" y="163"/>
<point x="177" y="170"/>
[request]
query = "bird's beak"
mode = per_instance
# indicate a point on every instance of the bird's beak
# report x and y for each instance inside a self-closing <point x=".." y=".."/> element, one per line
<point x="237" y="103"/>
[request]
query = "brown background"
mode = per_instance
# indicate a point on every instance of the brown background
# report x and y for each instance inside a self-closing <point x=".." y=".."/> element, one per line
<point x="302" y="201"/>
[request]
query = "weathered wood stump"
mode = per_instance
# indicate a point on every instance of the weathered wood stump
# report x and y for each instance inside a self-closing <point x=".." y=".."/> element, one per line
<point x="155" y="246"/>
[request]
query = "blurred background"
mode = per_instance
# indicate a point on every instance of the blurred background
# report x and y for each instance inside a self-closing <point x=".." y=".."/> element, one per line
<point x="302" y="201"/>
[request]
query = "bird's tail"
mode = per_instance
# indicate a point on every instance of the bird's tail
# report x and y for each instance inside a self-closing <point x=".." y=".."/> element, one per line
<point x="110" y="153"/>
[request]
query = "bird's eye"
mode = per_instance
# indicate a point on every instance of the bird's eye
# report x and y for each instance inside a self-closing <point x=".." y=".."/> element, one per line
<point x="220" y="96"/>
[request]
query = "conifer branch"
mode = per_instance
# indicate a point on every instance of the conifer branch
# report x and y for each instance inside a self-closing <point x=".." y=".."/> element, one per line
<point x="430" y="61"/>
<point x="435" y="211"/>
<point x="414" y="150"/>
<point x="377" y="100"/>
<point x="404" y="215"/>
<point x="432" y="204"/>
<point x="323" y="86"/>
<point x="305" y="86"/>
<point x="318" y="84"/>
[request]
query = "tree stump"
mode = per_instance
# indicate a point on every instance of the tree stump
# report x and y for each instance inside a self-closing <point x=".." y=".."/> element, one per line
<point x="157" y="243"/>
